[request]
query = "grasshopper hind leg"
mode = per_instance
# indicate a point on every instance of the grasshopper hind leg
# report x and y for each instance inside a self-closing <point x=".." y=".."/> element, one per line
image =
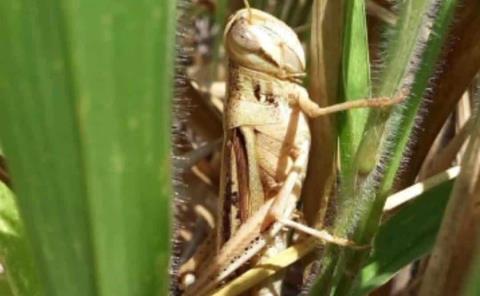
<point x="279" y="213"/>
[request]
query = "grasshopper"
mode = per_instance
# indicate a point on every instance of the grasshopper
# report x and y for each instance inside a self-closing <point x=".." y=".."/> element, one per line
<point x="265" y="147"/>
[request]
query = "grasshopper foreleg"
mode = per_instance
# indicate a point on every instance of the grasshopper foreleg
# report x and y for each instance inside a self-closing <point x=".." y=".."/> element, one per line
<point x="310" y="108"/>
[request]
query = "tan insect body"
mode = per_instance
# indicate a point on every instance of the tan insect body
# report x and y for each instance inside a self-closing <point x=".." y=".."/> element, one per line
<point x="266" y="144"/>
<point x="266" y="59"/>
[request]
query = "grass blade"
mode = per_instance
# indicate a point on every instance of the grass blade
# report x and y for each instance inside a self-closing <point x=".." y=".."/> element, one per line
<point x="355" y="84"/>
<point x="355" y="78"/>
<point x="85" y="125"/>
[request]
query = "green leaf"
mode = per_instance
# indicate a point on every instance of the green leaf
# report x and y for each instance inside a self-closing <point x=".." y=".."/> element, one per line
<point x="85" y="91"/>
<point x="17" y="257"/>
<point x="355" y="78"/>
<point x="356" y="84"/>
<point x="405" y="237"/>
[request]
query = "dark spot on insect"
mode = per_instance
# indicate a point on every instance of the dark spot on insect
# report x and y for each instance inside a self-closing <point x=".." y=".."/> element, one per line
<point x="269" y="98"/>
<point x="256" y="91"/>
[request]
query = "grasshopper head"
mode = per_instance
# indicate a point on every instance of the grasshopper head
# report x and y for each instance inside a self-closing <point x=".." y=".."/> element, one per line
<point x="259" y="41"/>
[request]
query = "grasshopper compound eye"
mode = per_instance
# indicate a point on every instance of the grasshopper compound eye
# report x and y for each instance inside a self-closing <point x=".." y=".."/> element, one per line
<point x="259" y="41"/>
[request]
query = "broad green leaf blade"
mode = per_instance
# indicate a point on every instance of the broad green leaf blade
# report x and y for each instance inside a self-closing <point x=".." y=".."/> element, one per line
<point x="85" y="90"/>
<point x="405" y="237"/>
<point x="20" y="271"/>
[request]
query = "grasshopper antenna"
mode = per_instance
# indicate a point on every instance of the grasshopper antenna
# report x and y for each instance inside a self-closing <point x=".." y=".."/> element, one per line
<point x="247" y="5"/>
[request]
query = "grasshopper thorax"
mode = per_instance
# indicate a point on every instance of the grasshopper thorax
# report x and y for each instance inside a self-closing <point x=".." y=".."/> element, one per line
<point x="259" y="41"/>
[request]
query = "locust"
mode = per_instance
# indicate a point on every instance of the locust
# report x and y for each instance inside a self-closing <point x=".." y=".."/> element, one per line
<point x="265" y="149"/>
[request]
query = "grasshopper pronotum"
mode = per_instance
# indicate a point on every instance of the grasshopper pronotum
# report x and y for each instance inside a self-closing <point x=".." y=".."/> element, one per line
<point x="266" y="145"/>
